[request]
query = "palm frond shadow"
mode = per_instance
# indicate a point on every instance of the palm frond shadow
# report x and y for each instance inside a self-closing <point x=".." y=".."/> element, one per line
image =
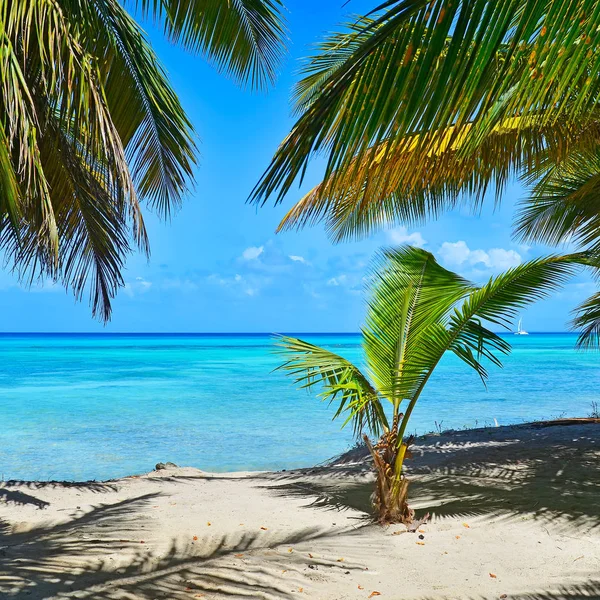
<point x="522" y="477"/>
<point x="98" y="555"/>
<point x="510" y="475"/>
<point x="580" y="591"/>
<point x="8" y="496"/>
<point x="97" y="487"/>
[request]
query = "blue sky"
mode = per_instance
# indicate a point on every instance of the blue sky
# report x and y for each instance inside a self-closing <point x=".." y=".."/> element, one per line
<point x="218" y="266"/>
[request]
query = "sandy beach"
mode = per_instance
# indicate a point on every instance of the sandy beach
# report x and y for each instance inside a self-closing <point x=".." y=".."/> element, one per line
<point x="515" y="513"/>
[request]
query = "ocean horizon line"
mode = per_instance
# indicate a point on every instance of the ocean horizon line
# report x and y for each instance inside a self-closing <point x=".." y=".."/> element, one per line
<point x="230" y="333"/>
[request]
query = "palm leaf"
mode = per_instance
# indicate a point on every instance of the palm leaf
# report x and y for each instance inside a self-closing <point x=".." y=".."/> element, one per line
<point x="429" y="66"/>
<point x="409" y="294"/>
<point x="311" y="365"/>
<point x="244" y="38"/>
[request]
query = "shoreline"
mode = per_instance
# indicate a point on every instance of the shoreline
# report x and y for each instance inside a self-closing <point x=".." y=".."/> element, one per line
<point x="357" y="451"/>
<point x="513" y="509"/>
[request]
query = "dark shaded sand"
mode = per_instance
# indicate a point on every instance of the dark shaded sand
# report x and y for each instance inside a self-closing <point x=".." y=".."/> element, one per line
<point x="515" y="512"/>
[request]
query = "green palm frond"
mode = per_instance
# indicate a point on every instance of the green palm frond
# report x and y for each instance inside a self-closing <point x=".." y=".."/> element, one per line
<point x="440" y="73"/>
<point x="564" y="204"/>
<point x="409" y="294"/>
<point x="417" y="311"/>
<point x="587" y="322"/>
<point x="311" y="365"/>
<point x="245" y="38"/>
<point x="406" y="186"/>
<point x="91" y="129"/>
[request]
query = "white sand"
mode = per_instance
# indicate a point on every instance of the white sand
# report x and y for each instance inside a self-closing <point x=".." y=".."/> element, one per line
<point x="516" y="511"/>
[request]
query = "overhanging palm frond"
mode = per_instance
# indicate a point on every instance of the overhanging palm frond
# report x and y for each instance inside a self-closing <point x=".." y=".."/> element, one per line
<point x="154" y="129"/>
<point x="587" y="322"/>
<point x="431" y="65"/>
<point x="245" y="38"/>
<point x="91" y="127"/>
<point x="311" y="365"/>
<point x="564" y="204"/>
<point x="405" y="186"/>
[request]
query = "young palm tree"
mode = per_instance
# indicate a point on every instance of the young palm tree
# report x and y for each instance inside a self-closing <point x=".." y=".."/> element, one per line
<point x="90" y="127"/>
<point x="416" y="312"/>
<point x="424" y="103"/>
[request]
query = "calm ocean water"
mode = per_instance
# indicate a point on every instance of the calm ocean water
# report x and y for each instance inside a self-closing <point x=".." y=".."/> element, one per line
<point x="103" y="406"/>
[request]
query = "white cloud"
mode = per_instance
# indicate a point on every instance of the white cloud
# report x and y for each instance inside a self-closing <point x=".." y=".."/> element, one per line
<point x="138" y="286"/>
<point x="299" y="259"/>
<point x="400" y="235"/>
<point x="458" y="254"/>
<point x="253" y="252"/>
<point x="335" y="281"/>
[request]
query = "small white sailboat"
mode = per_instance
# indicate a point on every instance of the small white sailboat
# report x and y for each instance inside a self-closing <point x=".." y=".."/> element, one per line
<point x="520" y="330"/>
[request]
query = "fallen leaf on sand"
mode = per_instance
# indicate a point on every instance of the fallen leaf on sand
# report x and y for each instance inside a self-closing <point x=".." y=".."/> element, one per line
<point x="142" y="542"/>
<point x="493" y="575"/>
<point x="340" y="560"/>
<point x="300" y="590"/>
<point x="503" y="596"/>
<point x="397" y="532"/>
<point x="209" y="523"/>
<point x="264" y="528"/>
<point x="310" y="555"/>
<point x="421" y="531"/>
<point x="360" y="587"/>
<point x="457" y="537"/>
<point x="195" y="538"/>
<point x="290" y="549"/>
<point x="466" y="525"/>
<point x="420" y="543"/>
<point x="374" y="594"/>
<point x="238" y="555"/>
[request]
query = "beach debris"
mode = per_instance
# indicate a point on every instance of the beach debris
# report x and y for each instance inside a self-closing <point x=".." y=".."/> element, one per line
<point x="373" y="594"/>
<point x="142" y="542"/>
<point x="346" y="572"/>
<point x="168" y="465"/>
<point x="360" y="587"/>
<point x="503" y="596"/>
<point x="457" y="537"/>
<point x="420" y="543"/>
<point x="418" y="523"/>
<point x="493" y="575"/>
<point x="264" y="528"/>
<point x="421" y="537"/>
<point x="238" y="555"/>
<point x="340" y="560"/>
<point x="208" y="523"/>
<point x="195" y="538"/>
<point x="421" y="531"/>
<point x="314" y="567"/>
<point x="300" y="590"/>
<point x="310" y="555"/>
<point x="290" y="549"/>
<point x="466" y="525"/>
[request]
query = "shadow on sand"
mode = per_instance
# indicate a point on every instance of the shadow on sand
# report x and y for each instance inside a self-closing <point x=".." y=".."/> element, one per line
<point x="99" y="554"/>
<point x="505" y="475"/>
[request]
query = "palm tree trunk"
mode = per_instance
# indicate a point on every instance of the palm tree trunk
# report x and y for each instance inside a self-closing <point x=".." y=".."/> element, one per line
<point x="391" y="491"/>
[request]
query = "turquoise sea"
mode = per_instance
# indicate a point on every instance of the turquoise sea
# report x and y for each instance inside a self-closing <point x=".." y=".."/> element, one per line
<point x="87" y="406"/>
